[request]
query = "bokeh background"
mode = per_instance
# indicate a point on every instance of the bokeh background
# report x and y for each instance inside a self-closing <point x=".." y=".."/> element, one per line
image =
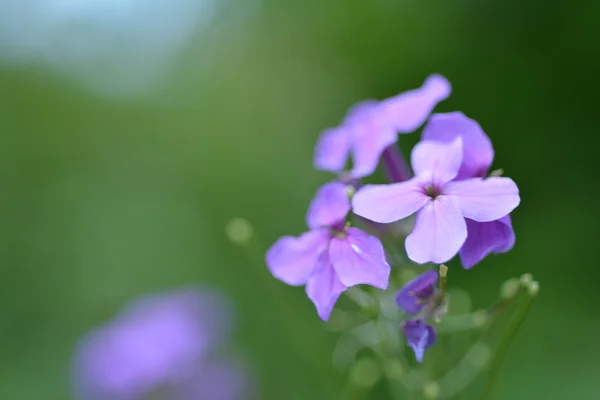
<point x="132" y="132"/>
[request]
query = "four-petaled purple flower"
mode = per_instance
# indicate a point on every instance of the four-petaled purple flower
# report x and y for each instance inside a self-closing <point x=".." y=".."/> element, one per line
<point x="441" y="202"/>
<point x="330" y="257"/>
<point x="419" y="335"/>
<point x="168" y="343"/>
<point x="372" y="126"/>
<point x="483" y="238"/>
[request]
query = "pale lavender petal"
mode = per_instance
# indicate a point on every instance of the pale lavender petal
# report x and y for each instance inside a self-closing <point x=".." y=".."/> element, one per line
<point x="293" y="259"/>
<point x="360" y="110"/>
<point x="324" y="287"/>
<point x="484" y="238"/>
<point x="359" y="258"/>
<point x="440" y="231"/>
<point x="419" y="336"/>
<point x="478" y="152"/>
<point x="389" y="203"/>
<point x="410" y="297"/>
<point x="371" y="135"/>
<point x="332" y="150"/>
<point x="437" y="161"/>
<point x="484" y="200"/>
<point x="330" y="206"/>
<point x="409" y="110"/>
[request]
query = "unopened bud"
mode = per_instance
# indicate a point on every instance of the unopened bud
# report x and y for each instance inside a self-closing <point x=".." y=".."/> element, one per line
<point x="533" y="288"/>
<point x="510" y="288"/>
<point x="239" y="230"/>
<point x="443" y="271"/>
<point x="497" y="172"/>
<point x="526" y="279"/>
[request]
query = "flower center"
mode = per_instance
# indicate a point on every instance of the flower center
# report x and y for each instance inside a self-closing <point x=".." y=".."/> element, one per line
<point x="339" y="230"/>
<point x="432" y="191"/>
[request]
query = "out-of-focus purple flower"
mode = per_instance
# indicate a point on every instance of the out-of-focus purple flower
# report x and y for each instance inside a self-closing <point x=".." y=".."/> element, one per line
<point x="371" y="126"/>
<point x="164" y="342"/>
<point x="330" y="257"/>
<point x="483" y="238"/>
<point x="221" y="379"/>
<point x="442" y="203"/>
<point x="419" y="335"/>
<point x="414" y="295"/>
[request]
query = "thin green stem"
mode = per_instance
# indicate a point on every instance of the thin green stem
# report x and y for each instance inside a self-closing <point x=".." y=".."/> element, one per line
<point x="502" y="349"/>
<point x="443" y="281"/>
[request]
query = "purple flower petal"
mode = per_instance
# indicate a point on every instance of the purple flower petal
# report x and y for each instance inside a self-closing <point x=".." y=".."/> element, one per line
<point x="332" y="150"/>
<point x="484" y="238"/>
<point x="420" y="336"/>
<point x="484" y="200"/>
<point x="359" y="110"/>
<point x="410" y="297"/>
<point x="359" y="258"/>
<point x="330" y="206"/>
<point x="371" y="135"/>
<point x="440" y="231"/>
<point x="293" y="259"/>
<point x="221" y="379"/>
<point x="389" y="203"/>
<point x="478" y="152"/>
<point x="155" y="341"/>
<point x="324" y="287"/>
<point x="439" y="162"/>
<point x="409" y="110"/>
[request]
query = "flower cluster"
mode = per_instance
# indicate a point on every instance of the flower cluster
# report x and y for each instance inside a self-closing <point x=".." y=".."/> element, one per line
<point x="458" y="207"/>
<point x="167" y="345"/>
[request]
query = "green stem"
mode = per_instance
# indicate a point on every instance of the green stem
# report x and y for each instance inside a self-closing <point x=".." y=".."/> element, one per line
<point x="502" y="349"/>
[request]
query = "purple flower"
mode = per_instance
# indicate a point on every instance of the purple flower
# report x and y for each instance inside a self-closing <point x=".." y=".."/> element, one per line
<point x="419" y="335"/>
<point x="414" y="295"/>
<point x="483" y="238"/>
<point x="164" y="342"/>
<point x="371" y="126"/>
<point x="330" y="257"/>
<point x="441" y="203"/>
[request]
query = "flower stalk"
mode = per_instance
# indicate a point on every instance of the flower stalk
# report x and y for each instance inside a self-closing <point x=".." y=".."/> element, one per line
<point x="395" y="165"/>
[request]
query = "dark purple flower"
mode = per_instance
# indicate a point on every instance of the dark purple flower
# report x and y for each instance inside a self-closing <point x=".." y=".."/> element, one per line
<point x="442" y="203"/>
<point x="483" y="238"/>
<point x="160" y="342"/>
<point x="419" y="335"/>
<point x="330" y="257"/>
<point x="414" y="295"/>
<point x="371" y="126"/>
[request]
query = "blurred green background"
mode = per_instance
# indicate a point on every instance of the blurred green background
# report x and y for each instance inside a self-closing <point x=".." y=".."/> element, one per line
<point x="107" y="196"/>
